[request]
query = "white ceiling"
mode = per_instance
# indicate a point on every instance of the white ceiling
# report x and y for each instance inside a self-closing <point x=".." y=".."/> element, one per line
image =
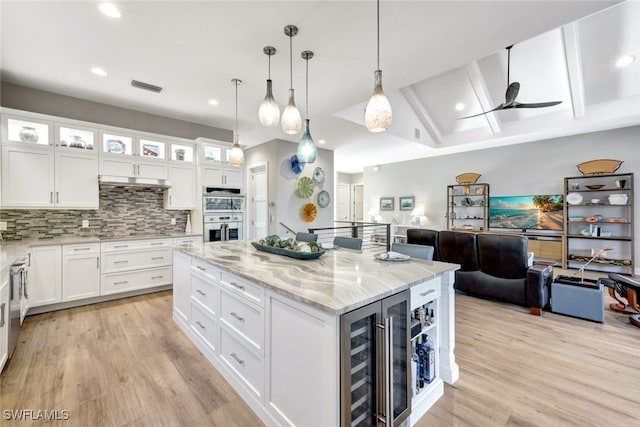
<point x="434" y="54"/>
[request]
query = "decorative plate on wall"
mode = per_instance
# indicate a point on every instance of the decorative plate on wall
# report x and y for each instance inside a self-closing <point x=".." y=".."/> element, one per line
<point x="318" y="175"/>
<point x="324" y="199"/>
<point x="296" y="165"/>
<point x="305" y="187"/>
<point x="309" y="212"/>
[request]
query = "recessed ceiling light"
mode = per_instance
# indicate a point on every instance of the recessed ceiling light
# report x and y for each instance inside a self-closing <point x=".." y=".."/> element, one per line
<point x="459" y="106"/>
<point x="98" y="71"/>
<point x="110" y="10"/>
<point x="625" y="60"/>
<point x="321" y="141"/>
<point x="214" y="102"/>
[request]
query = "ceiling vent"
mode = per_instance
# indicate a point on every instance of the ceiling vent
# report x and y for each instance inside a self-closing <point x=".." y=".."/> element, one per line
<point x="146" y="86"/>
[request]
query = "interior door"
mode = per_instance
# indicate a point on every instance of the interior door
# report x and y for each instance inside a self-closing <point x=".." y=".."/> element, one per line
<point x="343" y="203"/>
<point x="358" y="202"/>
<point x="258" y="203"/>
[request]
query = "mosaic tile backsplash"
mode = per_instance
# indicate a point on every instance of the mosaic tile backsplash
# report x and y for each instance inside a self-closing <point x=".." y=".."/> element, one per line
<point x="124" y="211"/>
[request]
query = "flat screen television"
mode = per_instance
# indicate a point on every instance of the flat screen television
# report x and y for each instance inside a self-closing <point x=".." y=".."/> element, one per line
<point x="543" y="212"/>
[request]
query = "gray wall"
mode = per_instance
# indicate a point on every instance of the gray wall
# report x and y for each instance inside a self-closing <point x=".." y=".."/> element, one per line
<point x="38" y="101"/>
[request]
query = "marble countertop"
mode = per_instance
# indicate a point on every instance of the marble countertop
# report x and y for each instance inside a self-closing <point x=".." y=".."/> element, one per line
<point x="13" y="249"/>
<point x="339" y="281"/>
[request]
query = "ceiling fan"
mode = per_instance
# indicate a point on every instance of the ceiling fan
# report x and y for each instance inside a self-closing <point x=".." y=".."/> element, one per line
<point x="512" y="93"/>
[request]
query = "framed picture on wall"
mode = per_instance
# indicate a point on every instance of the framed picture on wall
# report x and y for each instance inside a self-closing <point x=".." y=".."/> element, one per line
<point x="406" y="203"/>
<point x="386" y="203"/>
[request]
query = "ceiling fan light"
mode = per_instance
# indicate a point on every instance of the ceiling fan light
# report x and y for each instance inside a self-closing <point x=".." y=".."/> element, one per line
<point x="378" y="115"/>
<point x="307" y="151"/>
<point x="625" y="60"/>
<point x="269" y="111"/>
<point x="291" y="118"/>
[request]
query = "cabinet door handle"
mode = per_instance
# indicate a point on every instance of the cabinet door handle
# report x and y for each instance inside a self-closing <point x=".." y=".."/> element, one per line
<point x="26" y="282"/>
<point x="200" y="324"/>
<point x="134" y="169"/>
<point x="138" y="169"/>
<point x="170" y="200"/>
<point x="120" y="283"/>
<point x="234" y="314"/>
<point x="81" y="249"/>
<point x="98" y="262"/>
<point x="201" y="268"/>
<point x="157" y="257"/>
<point x="121" y="262"/>
<point x="235" y="356"/>
<point x="235" y="285"/>
<point x="121" y="246"/>
<point x="57" y="197"/>
<point x="204" y="294"/>
<point x="157" y="244"/>
<point x="51" y="197"/>
<point x="427" y="292"/>
<point x="156" y="277"/>
<point x="2" y="322"/>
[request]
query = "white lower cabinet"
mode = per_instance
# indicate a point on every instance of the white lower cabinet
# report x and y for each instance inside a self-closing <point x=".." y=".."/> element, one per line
<point x="45" y="275"/>
<point x="80" y="271"/>
<point x="248" y="366"/>
<point x="205" y="326"/>
<point x="181" y="286"/>
<point x="4" y="319"/>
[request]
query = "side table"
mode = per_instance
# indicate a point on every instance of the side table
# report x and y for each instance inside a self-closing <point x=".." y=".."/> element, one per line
<point x="579" y="298"/>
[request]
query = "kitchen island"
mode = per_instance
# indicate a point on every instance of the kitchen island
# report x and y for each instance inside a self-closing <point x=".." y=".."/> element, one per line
<point x="272" y="325"/>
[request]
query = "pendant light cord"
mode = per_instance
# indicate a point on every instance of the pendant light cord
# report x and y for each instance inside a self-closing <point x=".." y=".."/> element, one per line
<point x="378" y="45"/>
<point x="307" y="89"/>
<point x="290" y="61"/>
<point x="269" y="73"/>
<point x="508" y="62"/>
<point x="235" y="139"/>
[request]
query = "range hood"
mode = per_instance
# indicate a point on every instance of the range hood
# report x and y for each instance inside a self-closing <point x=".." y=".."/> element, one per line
<point x="124" y="181"/>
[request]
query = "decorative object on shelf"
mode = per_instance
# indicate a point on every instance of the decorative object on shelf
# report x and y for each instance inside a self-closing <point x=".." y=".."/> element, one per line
<point x="373" y="214"/>
<point x="236" y="157"/>
<point x="291" y="121"/>
<point x="180" y="153"/>
<point x="305" y="187"/>
<point x="512" y="93"/>
<point x="116" y="146"/>
<point x="618" y="199"/>
<point x="77" y="142"/>
<point x="599" y="167"/>
<point x="289" y="252"/>
<point x="187" y="227"/>
<point x="296" y="165"/>
<point x="574" y="198"/>
<point x="595" y="186"/>
<point x="28" y="134"/>
<point x="596" y="253"/>
<point x="478" y="191"/>
<point x="620" y="183"/>
<point x="378" y="114"/>
<point x="318" y="175"/>
<point x="467" y="178"/>
<point x="406" y="203"/>
<point x="595" y="202"/>
<point x="309" y="212"/>
<point x="386" y="203"/>
<point x="392" y="256"/>
<point x="467" y="202"/>
<point x="307" y="150"/>
<point x="90" y="145"/>
<point x="269" y="111"/>
<point x="151" y="150"/>
<point x="417" y="213"/>
<point x="324" y="199"/>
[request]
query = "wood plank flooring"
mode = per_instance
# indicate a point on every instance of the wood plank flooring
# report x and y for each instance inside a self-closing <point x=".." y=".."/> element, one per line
<point x="125" y="363"/>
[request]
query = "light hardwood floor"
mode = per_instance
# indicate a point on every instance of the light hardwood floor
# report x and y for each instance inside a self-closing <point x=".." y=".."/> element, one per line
<point x="126" y="363"/>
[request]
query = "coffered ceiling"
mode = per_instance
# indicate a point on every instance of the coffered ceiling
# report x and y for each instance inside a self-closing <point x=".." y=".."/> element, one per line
<point x="434" y="55"/>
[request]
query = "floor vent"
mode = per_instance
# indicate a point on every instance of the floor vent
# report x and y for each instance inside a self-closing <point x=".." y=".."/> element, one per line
<point x="146" y="86"/>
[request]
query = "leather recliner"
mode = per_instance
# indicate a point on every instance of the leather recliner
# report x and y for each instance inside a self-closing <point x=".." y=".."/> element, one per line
<point x="491" y="265"/>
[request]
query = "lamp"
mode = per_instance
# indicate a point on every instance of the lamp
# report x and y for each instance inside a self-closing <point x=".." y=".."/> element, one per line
<point x="269" y="112"/>
<point x="291" y="120"/>
<point x="307" y="150"/>
<point x="236" y="156"/>
<point x="416" y="213"/>
<point x="373" y="213"/>
<point x="377" y="115"/>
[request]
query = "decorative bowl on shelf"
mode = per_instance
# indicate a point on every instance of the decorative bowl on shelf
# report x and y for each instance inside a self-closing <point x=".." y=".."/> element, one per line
<point x="28" y="134"/>
<point x="595" y="186"/>
<point x="618" y="199"/>
<point x="574" y="198"/>
<point x="599" y="167"/>
<point x="467" y="178"/>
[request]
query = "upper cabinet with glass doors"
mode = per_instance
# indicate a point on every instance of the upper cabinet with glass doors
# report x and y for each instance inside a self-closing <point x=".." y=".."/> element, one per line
<point x="76" y="138"/>
<point x="27" y="131"/>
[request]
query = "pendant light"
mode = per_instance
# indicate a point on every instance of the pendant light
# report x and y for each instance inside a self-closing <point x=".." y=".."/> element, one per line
<point x="377" y="115"/>
<point x="236" y="156"/>
<point x="269" y="112"/>
<point x="291" y="120"/>
<point x="307" y="150"/>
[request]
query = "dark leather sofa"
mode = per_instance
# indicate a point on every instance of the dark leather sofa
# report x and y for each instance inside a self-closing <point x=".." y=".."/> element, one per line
<point x="491" y="265"/>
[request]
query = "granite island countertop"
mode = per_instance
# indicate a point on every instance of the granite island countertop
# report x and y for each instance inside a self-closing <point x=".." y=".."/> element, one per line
<point x="339" y="281"/>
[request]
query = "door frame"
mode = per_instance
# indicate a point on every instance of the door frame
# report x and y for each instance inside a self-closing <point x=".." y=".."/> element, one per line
<point x="249" y="214"/>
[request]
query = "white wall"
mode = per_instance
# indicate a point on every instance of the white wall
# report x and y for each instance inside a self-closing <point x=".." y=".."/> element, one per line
<point x="285" y="204"/>
<point x="533" y="168"/>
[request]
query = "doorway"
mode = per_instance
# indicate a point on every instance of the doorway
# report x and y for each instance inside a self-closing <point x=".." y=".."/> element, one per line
<point x="358" y="202"/>
<point x="258" y="201"/>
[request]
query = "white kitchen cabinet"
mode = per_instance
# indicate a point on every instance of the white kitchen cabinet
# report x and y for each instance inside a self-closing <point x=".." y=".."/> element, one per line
<point x="182" y="194"/>
<point x="80" y="271"/>
<point x="216" y="167"/>
<point x="122" y="157"/>
<point x="45" y="275"/>
<point x="4" y="319"/>
<point x="188" y="240"/>
<point x="132" y="166"/>
<point x="181" y="285"/>
<point x="28" y="130"/>
<point x="222" y="176"/>
<point x="76" y="180"/>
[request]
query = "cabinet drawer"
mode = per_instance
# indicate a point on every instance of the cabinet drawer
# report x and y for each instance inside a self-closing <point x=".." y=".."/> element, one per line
<point x="205" y="269"/>
<point x="206" y="293"/>
<point x="424" y="292"/>
<point x="248" y="366"/>
<point x="79" y="249"/>
<point x="186" y="240"/>
<point x="250" y="291"/>
<point x="116" y="261"/>
<point x="132" y="280"/>
<point x="243" y="318"/>
<point x="204" y="325"/>
<point x="132" y="245"/>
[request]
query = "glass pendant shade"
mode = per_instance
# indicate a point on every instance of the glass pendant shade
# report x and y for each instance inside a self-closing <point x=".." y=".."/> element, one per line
<point x="269" y="111"/>
<point x="236" y="156"/>
<point x="377" y="115"/>
<point x="291" y="118"/>
<point x="307" y="150"/>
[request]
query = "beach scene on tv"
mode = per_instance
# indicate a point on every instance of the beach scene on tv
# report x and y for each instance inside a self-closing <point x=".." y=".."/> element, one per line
<point x="526" y="212"/>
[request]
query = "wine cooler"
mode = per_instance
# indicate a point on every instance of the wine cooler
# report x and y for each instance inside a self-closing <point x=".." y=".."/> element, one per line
<point x="375" y="363"/>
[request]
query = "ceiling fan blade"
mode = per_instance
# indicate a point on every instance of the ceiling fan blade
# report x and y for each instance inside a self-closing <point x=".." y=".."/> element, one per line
<point x="536" y="104"/>
<point x="499" y="107"/>
<point x="511" y="93"/>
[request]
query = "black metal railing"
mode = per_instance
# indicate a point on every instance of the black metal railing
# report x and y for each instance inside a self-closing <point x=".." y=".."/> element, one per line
<point x="375" y="236"/>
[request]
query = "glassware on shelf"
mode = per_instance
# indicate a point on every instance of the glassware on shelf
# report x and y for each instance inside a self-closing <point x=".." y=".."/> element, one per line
<point x="28" y="134"/>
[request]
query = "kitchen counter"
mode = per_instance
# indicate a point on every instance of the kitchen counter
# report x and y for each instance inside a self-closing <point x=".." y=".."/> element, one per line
<point x="339" y="281"/>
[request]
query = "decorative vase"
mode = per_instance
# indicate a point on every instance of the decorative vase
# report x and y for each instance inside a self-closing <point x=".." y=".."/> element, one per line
<point x="77" y="142"/>
<point x="28" y="134"/>
<point x="187" y="228"/>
